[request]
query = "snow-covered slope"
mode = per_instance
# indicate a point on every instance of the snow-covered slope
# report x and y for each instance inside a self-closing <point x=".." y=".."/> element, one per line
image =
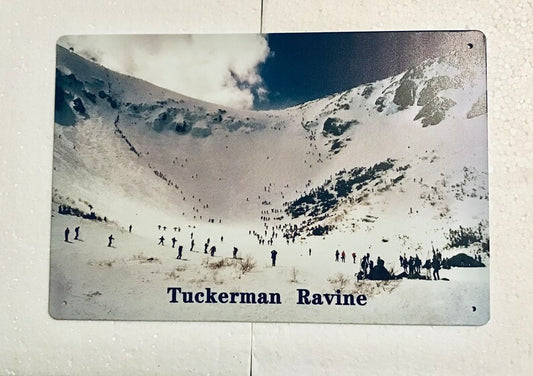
<point x="390" y="167"/>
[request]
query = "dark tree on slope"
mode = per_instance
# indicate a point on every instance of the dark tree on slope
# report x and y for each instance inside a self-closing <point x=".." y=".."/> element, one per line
<point x="326" y="197"/>
<point x="466" y="236"/>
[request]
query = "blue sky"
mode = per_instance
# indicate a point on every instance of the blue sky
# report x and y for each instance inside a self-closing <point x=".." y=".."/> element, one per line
<point x="307" y="66"/>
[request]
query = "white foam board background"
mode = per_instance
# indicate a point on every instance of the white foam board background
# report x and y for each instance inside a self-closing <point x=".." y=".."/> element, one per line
<point x="32" y="343"/>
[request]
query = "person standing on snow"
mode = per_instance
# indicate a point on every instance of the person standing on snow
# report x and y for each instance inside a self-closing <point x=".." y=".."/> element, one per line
<point x="111" y="238"/>
<point x="173" y="242"/>
<point x="364" y="265"/>
<point x="436" y="267"/>
<point x="405" y="263"/>
<point x="67" y="231"/>
<point x="418" y="264"/>
<point x="273" y="256"/>
<point x="161" y="240"/>
<point x="77" y="232"/>
<point x="427" y="266"/>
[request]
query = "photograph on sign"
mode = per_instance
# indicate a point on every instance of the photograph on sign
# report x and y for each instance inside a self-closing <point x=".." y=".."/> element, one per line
<point x="297" y="177"/>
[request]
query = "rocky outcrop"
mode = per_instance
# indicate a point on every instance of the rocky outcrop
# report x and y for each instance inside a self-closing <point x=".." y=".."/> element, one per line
<point x="336" y="126"/>
<point x="479" y="108"/>
<point x="434" y="111"/>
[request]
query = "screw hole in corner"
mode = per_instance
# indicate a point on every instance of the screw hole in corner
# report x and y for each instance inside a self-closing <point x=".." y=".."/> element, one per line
<point x="470" y="46"/>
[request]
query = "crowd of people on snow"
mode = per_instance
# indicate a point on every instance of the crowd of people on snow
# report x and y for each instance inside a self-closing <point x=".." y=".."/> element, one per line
<point x="411" y="266"/>
<point x="110" y="238"/>
<point x="368" y="269"/>
<point x="207" y="250"/>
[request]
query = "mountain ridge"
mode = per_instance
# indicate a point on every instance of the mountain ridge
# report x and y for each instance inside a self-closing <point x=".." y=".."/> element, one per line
<point x="320" y="132"/>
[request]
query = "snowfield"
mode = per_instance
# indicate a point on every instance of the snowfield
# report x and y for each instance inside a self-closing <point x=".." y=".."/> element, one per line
<point x="352" y="172"/>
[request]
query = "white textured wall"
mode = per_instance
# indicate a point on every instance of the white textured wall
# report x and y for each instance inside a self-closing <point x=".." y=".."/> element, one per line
<point x="31" y="343"/>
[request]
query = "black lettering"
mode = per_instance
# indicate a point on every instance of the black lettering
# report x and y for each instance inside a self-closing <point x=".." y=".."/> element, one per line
<point x="275" y="298"/>
<point x="187" y="297"/>
<point x="233" y="295"/>
<point x="210" y="296"/>
<point x="317" y="299"/>
<point x="349" y="299"/>
<point x="303" y="296"/>
<point x="262" y="298"/>
<point x="329" y="298"/>
<point x="174" y="291"/>
<point x="247" y="297"/>
<point x="338" y="297"/>
<point x="361" y="300"/>
<point x="223" y="297"/>
<point x="198" y="296"/>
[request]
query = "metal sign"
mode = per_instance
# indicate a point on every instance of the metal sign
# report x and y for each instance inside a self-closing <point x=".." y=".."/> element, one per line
<point x="317" y="177"/>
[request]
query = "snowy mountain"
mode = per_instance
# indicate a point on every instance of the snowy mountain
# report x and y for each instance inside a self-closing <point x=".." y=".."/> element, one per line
<point x="390" y="167"/>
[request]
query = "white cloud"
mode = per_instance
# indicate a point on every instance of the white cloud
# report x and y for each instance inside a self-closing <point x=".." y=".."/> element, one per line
<point x="216" y="68"/>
